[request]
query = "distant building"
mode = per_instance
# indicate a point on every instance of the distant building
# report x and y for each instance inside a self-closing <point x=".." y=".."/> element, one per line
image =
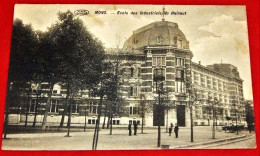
<point x="160" y="45"/>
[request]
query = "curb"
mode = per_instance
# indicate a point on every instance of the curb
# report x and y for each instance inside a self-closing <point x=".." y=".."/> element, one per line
<point x="226" y="143"/>
<point x="208" y="142"/>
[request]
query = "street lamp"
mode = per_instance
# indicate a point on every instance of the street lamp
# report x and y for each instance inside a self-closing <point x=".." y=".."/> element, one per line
<point x="236" y="107"/>
<point x="158" y="78"/>
<point x="213" y="103"/>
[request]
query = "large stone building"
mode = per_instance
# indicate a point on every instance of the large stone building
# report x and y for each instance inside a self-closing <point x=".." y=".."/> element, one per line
<point x="161" y="45"/>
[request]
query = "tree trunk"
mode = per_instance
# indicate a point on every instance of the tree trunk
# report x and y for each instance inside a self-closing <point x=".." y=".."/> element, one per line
<point x="69" y="119"/>
<point x="111" y="119"/>
<point x="7" y="110"/>
<point x="27" y="107"/>
<point x="191" y="125"/>
<point x="213" y="125"/>
<point x="142" y="130"/>
<point x="47" y="106"/>
<point x="167" y="121"/>
<point x="65" y="108"/>
<point x="96" y="133"/>
<point x="6" y="119"/>
<point x="111" y="124"/>
<point x="85" y="125"/>
<point x="108" y="120"/>
<point x="36" y="109"/>
<point x="105" y="115"/>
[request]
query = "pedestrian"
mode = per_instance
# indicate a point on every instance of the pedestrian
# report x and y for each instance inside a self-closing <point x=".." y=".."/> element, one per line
<point x="135" y="128"/>
<point x="176" y="131"/>
<point x="130" y="128"/>
<point x="170" y="129"/>
<point x="249" y="128"/>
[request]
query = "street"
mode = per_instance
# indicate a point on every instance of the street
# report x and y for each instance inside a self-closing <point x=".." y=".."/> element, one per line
<point x="118" y="141"/>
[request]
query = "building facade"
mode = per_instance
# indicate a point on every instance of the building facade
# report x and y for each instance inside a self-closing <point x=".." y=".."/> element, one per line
<point x="159" y="45"/>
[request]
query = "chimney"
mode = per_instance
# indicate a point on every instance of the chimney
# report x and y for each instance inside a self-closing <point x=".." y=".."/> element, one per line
<point x="199" y="62"/>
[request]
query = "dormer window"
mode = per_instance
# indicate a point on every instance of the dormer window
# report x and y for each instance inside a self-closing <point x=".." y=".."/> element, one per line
<point x="175" y="41"/>
<point x="135" y="41"/>
<point x="159" y="39"/>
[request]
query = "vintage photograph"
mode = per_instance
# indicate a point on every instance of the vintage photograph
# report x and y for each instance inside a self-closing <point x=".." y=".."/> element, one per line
<point x="129" y="77"/>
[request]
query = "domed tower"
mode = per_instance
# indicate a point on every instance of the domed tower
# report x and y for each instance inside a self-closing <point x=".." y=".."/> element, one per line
<point x="161" y="34"/>
<point x="163" y="47"/>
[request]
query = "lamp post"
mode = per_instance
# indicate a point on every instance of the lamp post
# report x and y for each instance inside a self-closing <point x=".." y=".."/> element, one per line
<point x="213" y="103"/>
<point x="142" y="111"/>
<point x="158" y="79"/>
<point x="235" y="105"/>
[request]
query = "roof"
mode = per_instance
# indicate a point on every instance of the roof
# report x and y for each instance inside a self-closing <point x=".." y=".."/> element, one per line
<point x="157" y="34"/>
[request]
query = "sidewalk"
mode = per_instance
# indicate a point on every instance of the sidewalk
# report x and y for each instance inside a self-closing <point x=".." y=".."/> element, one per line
<point x="118" y="141"/>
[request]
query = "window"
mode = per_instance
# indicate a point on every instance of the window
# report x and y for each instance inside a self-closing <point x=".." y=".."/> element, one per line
<point x="75" y="108"/>
<point x="159" y="72"/>
<point x="181" y="45"/>
<point x="133" y="91"/>
<point x="54" y="106"/>
<point x="32" y="105"/>
<point x="116" y="122"/>
<point x="135" y="41"/>
<point x="180" y="86"/>
<point x="135" y="121"/>
<point x="154" y="61"/>
<point x="54" y="91"/>
<point x="180" y="62"/>
<point x="180" y="74"/>
<point x="175" y="41"/>
<point x="179" y="83"/>
<point x="159" y="61"/>
<point x="139" y="72"/>
<point x="132" y="72"/>
<point x="93" y="107"/>
<point x="133" y="110"/>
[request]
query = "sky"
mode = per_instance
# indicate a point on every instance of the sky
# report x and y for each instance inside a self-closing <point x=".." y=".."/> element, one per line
<point x="216" y="33"/>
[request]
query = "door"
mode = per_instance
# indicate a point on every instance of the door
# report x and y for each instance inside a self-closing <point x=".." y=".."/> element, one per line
<point x="181" y="115"/>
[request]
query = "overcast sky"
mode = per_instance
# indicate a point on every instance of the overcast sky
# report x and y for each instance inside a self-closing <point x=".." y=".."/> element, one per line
<point x="215" y="33"/>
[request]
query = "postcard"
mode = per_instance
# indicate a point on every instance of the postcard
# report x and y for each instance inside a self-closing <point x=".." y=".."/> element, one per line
<point x="129" y="77"/>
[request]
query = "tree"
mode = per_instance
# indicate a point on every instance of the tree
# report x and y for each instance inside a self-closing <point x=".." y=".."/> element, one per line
<point x="250" y="119"/>
<point x="22" y="65"/>
<point x="144" y="107"/>
<point x="249" y="113"/>
<point x="113" y="93"/>
<point x="101" y="90"/>
<point x="168" y="104"/>
<point x="72" y="57"/>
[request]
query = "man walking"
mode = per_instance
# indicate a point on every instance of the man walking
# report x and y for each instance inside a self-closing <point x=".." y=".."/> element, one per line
<point x="176" y="130"/>
<point x="130" y="128"/>
<point x="135" y="128"/>
<point x="170" y="129"/>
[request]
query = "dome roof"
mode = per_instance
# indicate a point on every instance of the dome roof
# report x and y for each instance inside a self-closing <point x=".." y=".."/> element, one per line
<point x="157" y="34"/>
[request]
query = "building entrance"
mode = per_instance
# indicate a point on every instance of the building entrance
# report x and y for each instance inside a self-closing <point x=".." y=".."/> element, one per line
<point x="181" y="115"/>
